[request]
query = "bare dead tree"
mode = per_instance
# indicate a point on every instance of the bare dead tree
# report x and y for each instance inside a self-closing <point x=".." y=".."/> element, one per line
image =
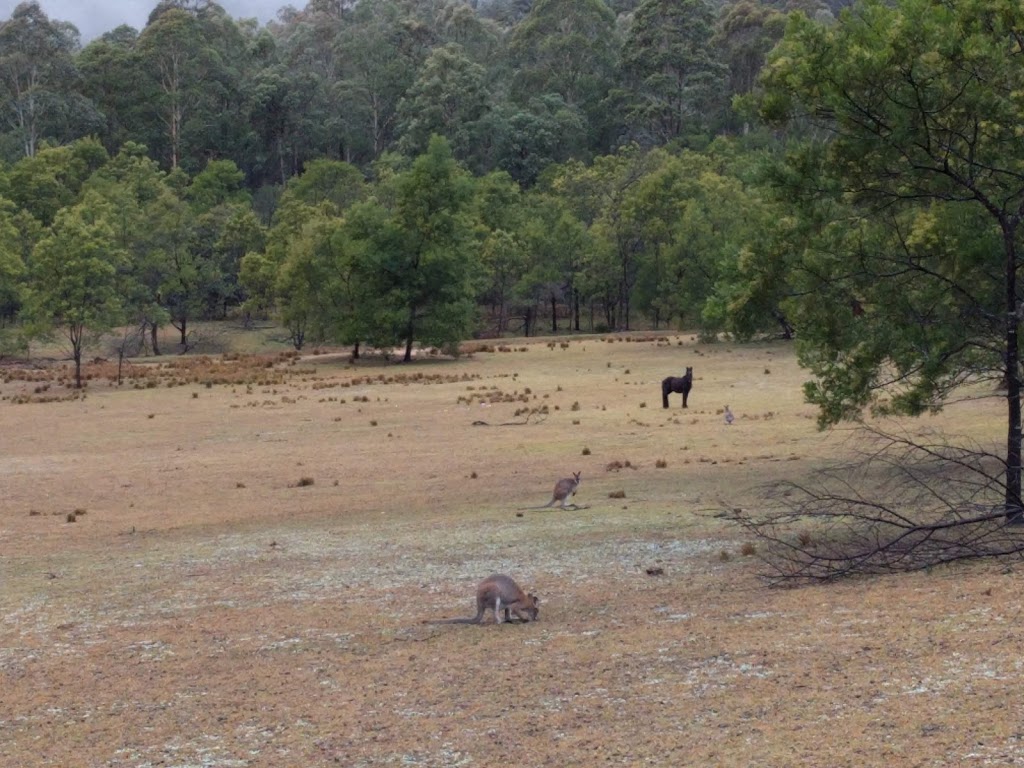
<point x="905" y="504"/>
<point x="130" y="344"/>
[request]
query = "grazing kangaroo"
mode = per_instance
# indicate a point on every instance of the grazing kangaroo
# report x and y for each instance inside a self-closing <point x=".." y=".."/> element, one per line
<point x="564" y="490"/>
<point x="501" y="594"/>
<point x="681" y="384"/>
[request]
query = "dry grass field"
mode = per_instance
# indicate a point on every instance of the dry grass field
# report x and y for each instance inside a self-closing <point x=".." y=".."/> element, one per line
<point x="226" y="561"/>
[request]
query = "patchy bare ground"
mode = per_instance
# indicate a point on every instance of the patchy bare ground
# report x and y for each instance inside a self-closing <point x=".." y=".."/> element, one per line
<point x="252" y="557"/>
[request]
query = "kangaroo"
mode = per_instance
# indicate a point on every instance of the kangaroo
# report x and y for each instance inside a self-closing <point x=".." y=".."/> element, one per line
<point x="564" y="490"/>
<point x="501" y="594"/>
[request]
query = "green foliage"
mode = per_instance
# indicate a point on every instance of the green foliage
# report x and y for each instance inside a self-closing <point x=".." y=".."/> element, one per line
<point x="415" y="249"/>
<point x="37" y="71"/>
<point x="675" y="73"/>
<point x="52" y="178"/>
<point x="74" y="284"/>
<point x="900" y="147"/>
<point x="12" y="279"/>
<point x="448" y="98"/>
<point x="291" y="170"/>
<point x="909" y="288"/>
<point x="568" y="48"/>
<point x="220" y="183"/>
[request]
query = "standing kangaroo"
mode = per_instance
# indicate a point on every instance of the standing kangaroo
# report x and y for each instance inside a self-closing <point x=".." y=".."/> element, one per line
<point x="564" y="490"/>
<point x="501" y="594"/>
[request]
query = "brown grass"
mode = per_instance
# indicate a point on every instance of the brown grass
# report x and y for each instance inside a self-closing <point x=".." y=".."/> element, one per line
<point x="205" y="613"/>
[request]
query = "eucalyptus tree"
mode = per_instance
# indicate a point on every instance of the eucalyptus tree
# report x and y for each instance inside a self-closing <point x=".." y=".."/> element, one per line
<point x="182" y="273"/>
<point x="296" y="103"/>
<point x="523" y="140"/>
<point x="43" y="184"/>
<point x="559" y="250"/>
<point x="596" y="194"/>
<point x="37" y="74"/>
<point x="321" y="293"/>
<point x="380" y="50"/>
<point x="502" y="215"/>
<point x="225" y="229"/>
<point x="195" y="66"/>
<point x="12" y="278"/>
<point x="218" y="126"/>
<point x="170" y="48"/>
<point x="415" y="244"/>
<point x="75" y="283"/>
<point x="132" y="184"/>
<point x="693" y="221"/>
<point x="744" y="35"/>
<point x="482" y="40"/>
<point x="568" y="48"/>
<point x="289" y="107"/>
<point x="113" y="79"/>
<point x="449" y="99"/>
<point x="674" y="71"/>
<point x="310" y="206"/>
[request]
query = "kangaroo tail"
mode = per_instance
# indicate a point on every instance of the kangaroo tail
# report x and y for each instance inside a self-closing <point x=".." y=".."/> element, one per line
<point x="450" y="621"/>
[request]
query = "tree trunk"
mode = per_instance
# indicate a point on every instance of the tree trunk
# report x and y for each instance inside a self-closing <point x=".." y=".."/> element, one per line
<point x="576" y="309"/>
<point x="409" y="334"/>
<point x="1014" y="512"/>
<point x="355" y="351"/>
<point x="554" y="315"/>
<point x="280" y="161"/>
<point x="153" y="339"/>
<point x="75" y="335"/>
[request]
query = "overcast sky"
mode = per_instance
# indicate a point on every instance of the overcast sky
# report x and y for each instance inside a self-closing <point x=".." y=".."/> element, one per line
<point x="94" y="17"/>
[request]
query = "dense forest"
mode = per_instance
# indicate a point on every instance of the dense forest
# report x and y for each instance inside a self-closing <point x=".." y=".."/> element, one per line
<point x="386" y="171"/>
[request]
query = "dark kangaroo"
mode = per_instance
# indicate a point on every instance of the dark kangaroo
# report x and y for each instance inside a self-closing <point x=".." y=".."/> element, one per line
<point x="501" y="594"/>
<point x="680" y="384"/>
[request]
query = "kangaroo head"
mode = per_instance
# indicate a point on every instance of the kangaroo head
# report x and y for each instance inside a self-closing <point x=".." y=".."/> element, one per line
<point x="689" y="370"/>
<point x="531" y="606"/>
<point x="576" y="477"/>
